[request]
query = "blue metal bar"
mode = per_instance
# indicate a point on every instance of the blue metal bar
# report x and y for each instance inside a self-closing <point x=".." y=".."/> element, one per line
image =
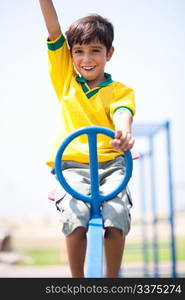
<point x="154" y="210"/>
<point x="95" y="249"/>
<point x="143" y="216"/>
<point x="93" y="162"/>
<point x="171" y="206"/>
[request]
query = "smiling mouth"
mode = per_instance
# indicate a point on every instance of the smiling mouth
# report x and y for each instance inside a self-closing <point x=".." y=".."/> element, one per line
<point x="88" y="68"/>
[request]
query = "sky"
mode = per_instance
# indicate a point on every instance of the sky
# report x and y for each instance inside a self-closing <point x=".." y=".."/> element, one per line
<point x="149" y="57"/>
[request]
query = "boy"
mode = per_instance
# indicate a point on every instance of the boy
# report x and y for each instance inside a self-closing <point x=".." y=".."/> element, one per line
<point x="88" y="96"/>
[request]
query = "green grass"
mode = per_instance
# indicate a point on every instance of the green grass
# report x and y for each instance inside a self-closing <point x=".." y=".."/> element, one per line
<point x="42" y="256"/>
<point x="133" y="253"/>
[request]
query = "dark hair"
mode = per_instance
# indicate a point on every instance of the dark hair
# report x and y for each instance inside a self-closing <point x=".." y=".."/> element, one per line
<point x="91" y="28"/>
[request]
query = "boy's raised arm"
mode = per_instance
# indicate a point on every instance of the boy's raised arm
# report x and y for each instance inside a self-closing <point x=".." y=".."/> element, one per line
<point x="51" y="19"/>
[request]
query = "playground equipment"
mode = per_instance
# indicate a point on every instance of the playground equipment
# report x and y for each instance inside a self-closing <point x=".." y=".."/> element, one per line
<point x="149" y="132"/>
<point x="95" y="227"/>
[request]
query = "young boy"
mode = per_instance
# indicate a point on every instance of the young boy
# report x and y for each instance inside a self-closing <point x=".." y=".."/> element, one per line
<point x="88" y="96"/>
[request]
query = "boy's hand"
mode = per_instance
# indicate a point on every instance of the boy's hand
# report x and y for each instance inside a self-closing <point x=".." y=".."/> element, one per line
<point x="122" y="141"/>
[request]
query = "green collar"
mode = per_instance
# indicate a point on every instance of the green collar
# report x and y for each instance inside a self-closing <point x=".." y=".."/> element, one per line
<point x="108" y="80"/>
<point x="89" y="93"/>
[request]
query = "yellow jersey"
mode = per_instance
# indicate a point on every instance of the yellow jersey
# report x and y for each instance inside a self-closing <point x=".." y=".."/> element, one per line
<point x="81" y="106"/>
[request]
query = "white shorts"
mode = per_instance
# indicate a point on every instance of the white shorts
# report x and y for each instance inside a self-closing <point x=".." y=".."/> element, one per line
<point x="75" y="213"/>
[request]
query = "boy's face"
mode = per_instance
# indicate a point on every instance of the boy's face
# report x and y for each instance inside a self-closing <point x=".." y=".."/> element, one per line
<point x="90" y="59"/>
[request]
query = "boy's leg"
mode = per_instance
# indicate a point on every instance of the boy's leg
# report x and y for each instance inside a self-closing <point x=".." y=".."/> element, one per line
<point x="116" y="214"/>
<point x="114" y="245"/>
<point x="76" y="247"/>
<point x="74" y="214"/>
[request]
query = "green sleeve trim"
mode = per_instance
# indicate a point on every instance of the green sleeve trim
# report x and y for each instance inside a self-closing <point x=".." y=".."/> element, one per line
<point x="56" y="44"/>
<point x="121" y="108"/>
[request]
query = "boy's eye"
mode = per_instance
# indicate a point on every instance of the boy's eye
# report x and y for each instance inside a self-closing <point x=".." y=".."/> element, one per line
<point x="96" y="50"/>
<point x="78" y="51"/>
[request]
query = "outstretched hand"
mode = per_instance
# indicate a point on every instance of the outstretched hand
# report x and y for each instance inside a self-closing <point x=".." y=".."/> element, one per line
<point x="122" y="141"/>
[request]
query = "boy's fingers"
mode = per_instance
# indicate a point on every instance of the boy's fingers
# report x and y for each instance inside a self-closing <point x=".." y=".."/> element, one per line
<point x="115" y="143"/>
<point x="122" y="142"/>
<point x="123" y="145"/>
<point x="128" y="144"/>
<point x="118" y="134"/>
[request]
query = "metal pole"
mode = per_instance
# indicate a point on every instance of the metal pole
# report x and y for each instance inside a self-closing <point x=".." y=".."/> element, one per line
<point x="143" y="216"/>
<point x="154" y="210"/>
<point x="171" y="202"/>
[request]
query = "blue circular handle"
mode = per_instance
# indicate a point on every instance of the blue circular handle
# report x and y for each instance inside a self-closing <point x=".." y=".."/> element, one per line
<point x="90" y="131"/>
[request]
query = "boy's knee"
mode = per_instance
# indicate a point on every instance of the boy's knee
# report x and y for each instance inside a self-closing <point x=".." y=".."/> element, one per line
<point x="113" y="232"/>
<point x="79" y="232"/>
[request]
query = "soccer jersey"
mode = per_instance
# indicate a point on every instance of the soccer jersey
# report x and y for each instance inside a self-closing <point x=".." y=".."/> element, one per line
<point x="81" y="106"/>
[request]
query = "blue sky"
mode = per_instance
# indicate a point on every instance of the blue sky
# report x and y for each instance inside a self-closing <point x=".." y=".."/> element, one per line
<point x="149" y="57"/>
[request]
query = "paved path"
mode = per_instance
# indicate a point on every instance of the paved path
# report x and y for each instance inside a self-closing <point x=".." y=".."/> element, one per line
<point x="34" y="271"/>
<point x="130" y="270"/>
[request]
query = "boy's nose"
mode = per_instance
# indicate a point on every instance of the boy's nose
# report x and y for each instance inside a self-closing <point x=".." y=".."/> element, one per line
<point x="87" y="57"/>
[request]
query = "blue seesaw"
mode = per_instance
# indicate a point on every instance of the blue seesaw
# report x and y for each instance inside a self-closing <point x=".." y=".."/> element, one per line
<point x="95" y="227"/>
